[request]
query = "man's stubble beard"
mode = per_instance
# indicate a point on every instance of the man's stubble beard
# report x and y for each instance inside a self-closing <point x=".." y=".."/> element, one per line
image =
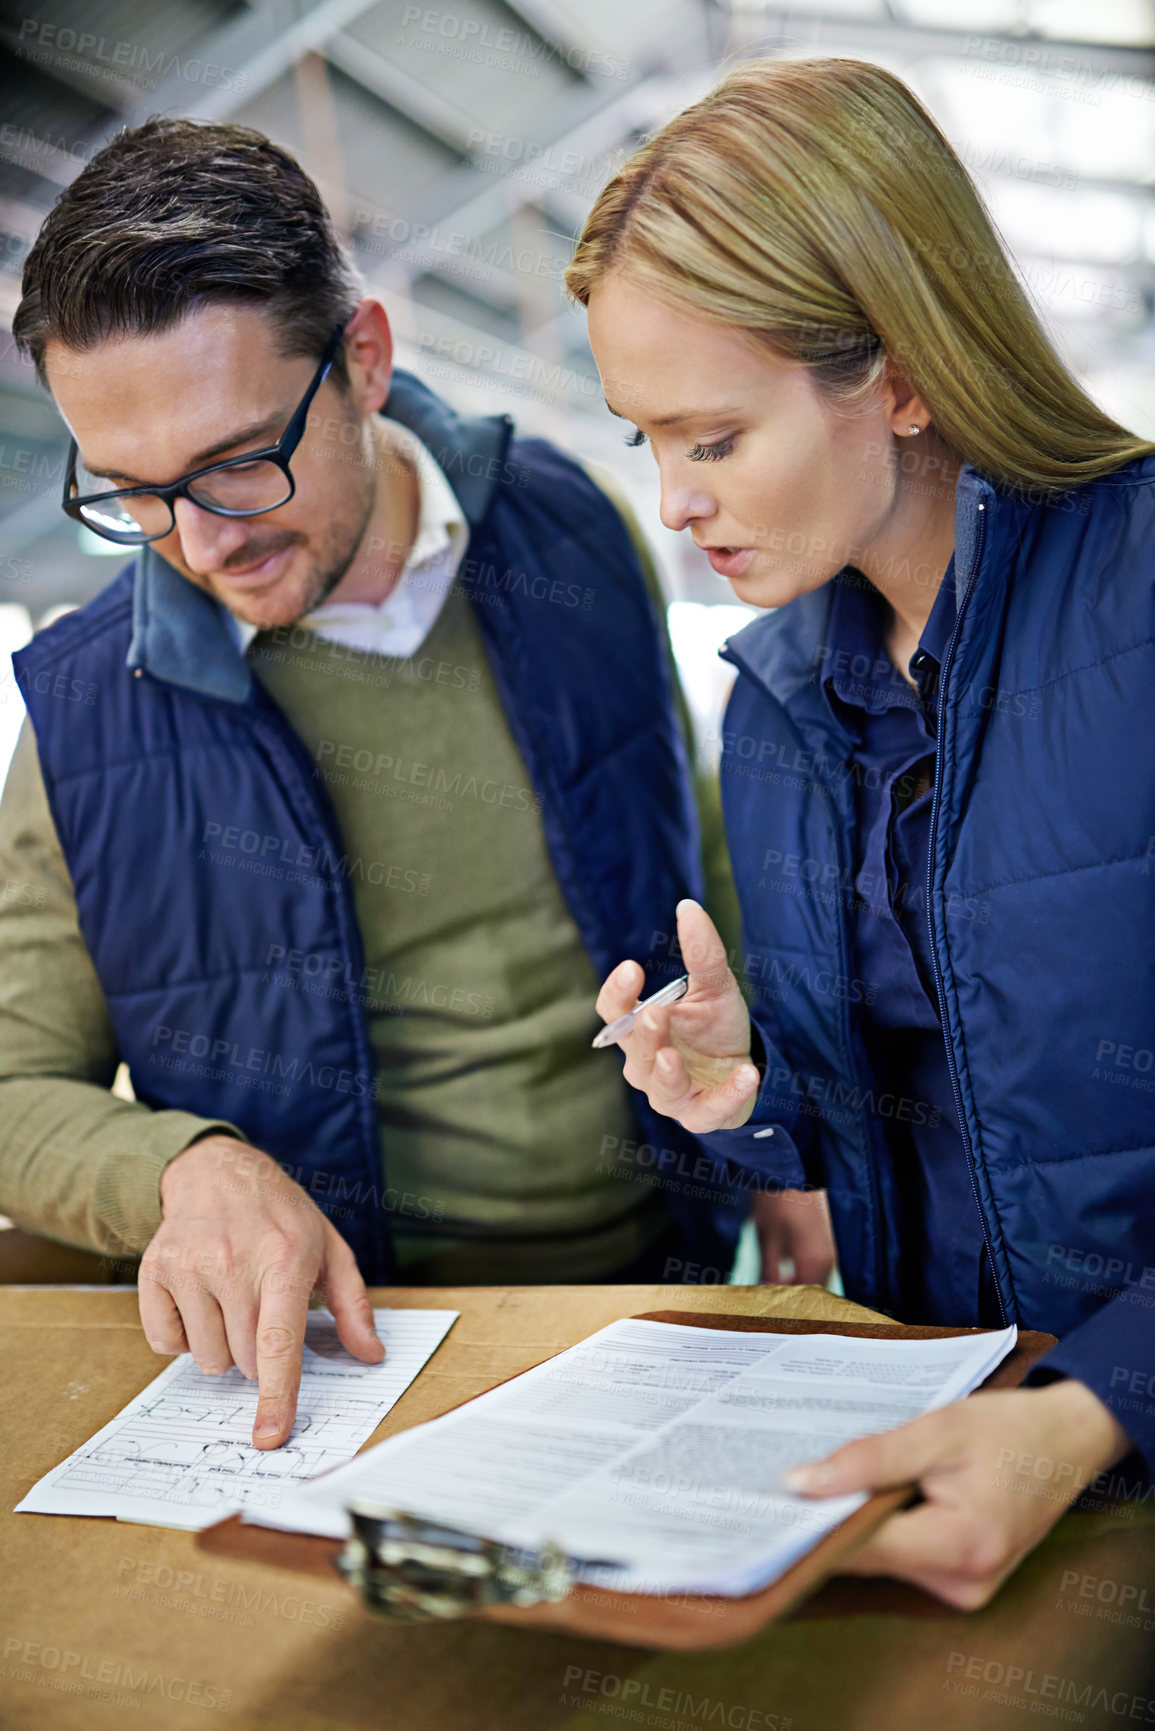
<point x="337" y="555"/>
<point x="334" y="557"/>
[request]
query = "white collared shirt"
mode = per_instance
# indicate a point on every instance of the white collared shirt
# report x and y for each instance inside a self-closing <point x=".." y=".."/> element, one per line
<point x="399" y="625"/>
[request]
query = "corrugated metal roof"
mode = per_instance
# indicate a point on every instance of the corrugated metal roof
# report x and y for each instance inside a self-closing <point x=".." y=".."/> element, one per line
<point x="491" y="124"/>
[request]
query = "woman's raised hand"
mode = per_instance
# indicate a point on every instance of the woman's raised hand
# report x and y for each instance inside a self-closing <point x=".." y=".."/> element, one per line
<point x="691" y="1059"/>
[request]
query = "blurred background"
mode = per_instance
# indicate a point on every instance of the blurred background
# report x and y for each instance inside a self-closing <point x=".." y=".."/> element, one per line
<point x="460" y="148"/>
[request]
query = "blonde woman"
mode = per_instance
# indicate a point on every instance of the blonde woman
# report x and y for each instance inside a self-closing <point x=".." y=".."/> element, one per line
<point x="937" y="769"/>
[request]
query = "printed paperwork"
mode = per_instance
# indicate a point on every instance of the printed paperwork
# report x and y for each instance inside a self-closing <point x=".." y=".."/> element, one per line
<point x="652" y="1453"/>
<point x="180" y="1454"/>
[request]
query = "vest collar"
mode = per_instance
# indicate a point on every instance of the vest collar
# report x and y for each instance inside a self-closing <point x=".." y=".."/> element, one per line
<point x="469" y="449"/>
<point x="185" y="637"/>
<point x="182" y="635"/>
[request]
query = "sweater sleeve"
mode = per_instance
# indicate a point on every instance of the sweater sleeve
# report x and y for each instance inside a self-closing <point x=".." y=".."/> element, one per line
<point x="77" y="1162"/>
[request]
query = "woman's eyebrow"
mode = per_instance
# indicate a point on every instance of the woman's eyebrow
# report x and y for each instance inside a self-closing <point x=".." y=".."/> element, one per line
<point x="682" y="415"/>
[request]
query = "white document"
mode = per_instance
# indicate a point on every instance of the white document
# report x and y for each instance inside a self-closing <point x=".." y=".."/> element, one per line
<point x="653" y="1453"/>
<point x="180" y="1454"/>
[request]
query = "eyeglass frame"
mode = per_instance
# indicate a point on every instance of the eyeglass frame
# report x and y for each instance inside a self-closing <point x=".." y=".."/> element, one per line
<point x="279" y="454"/>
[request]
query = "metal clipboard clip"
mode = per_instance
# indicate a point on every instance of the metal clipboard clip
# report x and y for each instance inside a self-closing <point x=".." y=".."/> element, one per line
<point x="417" y="1571"/>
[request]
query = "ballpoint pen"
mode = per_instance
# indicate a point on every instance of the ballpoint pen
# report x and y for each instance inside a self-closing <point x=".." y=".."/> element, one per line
<point x="670" y="994"/>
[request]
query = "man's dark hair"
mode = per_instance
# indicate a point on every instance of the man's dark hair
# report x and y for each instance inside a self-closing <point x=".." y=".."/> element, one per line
<point x="175" y="215"/>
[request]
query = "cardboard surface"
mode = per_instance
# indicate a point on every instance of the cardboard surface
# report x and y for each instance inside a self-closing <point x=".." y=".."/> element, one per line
<point x="106" y="1624"/>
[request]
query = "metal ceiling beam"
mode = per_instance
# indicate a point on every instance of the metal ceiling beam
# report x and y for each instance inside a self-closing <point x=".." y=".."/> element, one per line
<point x="443" y="120"/>
<point x="237" y="62"/>
<point x="581" y="123"/>
<point x="75" y="76"/>
<point x="639" y="106"/>
<point x="233" y="64"/>
<point x="553" y="25"/>
<point x="788" y="27"/>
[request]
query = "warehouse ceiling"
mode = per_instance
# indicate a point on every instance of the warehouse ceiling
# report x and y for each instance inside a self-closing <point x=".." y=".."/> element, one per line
<point x="460" y="149"/>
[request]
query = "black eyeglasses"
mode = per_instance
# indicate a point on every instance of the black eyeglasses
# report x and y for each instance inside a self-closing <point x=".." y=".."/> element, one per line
<point x="239" y="487"/>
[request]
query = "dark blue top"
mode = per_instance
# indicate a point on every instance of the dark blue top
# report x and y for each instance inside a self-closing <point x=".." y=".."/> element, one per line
<point x="1043" y="919"/>
<point x="893" y="727"/>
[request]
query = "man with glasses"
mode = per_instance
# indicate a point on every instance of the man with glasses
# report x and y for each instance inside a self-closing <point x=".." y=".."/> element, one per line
<point x="379" y="770"/>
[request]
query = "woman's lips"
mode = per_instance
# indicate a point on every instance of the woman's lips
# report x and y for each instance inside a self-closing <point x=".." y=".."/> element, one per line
<point x="730" y="561"/>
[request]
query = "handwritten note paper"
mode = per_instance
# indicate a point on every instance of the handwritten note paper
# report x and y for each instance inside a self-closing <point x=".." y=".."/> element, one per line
<point x="179" y="1455"/>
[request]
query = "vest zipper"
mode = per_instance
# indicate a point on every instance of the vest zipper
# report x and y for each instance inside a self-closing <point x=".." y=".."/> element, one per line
<point x="936" y="802"/>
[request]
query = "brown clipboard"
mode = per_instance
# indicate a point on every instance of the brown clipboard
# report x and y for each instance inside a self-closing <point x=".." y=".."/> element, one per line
<point x="681" y="1621"/>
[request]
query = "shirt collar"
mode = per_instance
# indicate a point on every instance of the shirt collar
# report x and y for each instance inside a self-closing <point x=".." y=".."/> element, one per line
<point x="856" y="668"/>
<point x="926" y="662"/>
<point x="440" y="519"/>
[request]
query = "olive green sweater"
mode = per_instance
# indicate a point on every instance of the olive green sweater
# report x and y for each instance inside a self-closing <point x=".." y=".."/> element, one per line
<point x="494" y="1109"/>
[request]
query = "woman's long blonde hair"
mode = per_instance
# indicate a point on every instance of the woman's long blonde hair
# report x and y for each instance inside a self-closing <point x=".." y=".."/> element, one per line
<point x="816" y="205"/>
